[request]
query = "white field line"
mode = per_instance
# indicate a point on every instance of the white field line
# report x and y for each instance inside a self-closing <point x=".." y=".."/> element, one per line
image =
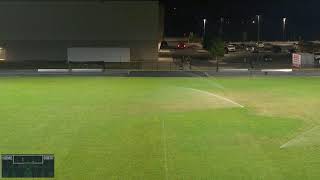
<point x="53" y="70"/>
<point x="234" y="70"/>
<point x="297" y="137"/>
<point x="276" y="70"/>
<point x="86" y="70"/>
<point x="165" y="151"/>
<point x="215" y="84"/>
<point x="217" y="96"/>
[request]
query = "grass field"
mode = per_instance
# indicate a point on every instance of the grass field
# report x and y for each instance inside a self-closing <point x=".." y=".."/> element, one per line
<point x="165" y="128"/>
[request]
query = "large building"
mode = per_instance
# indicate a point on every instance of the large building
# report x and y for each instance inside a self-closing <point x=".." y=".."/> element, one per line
<point x="87" y="30"/>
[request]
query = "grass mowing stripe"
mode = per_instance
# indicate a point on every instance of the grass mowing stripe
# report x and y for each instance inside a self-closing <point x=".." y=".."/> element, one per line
<point x="165" y="151"/>
<point x="154" y="128"/>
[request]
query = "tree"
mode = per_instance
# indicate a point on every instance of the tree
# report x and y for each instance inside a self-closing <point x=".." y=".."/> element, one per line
<point x="191" y="37"/>
<point x="215" y="47"/>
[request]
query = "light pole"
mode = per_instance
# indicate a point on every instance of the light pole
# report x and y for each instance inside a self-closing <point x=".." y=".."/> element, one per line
<point x="204" y="27"/>
<point x="284" y="23"/>
<point x="258" y="32"/>
<point x="221" y="26"/>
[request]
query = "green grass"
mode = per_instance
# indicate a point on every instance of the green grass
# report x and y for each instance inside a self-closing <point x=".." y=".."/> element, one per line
<point x="165" y="128"/>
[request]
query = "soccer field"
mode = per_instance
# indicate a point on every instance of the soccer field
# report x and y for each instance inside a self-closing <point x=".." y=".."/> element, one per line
<point x="165" y="128"/>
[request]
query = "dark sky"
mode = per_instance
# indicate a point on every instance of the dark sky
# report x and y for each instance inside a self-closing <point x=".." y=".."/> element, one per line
<point x="303" y="16"/>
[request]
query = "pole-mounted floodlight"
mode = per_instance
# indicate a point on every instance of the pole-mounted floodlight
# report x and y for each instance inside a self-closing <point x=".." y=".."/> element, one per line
<point x="258" y="32"/>
<point x="204" y="27"/>
<point x="284" y="23"/>
<point x="284" y="20"/>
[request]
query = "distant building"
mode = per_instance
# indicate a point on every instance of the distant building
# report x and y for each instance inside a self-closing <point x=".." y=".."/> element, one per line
<point x="53" y="30"/>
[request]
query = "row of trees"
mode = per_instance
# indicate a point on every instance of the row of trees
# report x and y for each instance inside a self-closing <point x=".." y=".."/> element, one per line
<point x="215" y="46"/>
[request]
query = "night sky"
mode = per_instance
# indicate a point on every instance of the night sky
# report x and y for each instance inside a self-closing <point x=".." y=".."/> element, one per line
<point x="303" y="18"/>
<point x="183" y="17"/>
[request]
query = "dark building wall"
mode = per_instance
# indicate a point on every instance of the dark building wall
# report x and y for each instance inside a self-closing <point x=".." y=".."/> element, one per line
<point x="57" y="50"/>
<point x="44" y="30"/>
<point x="161" y="20"/>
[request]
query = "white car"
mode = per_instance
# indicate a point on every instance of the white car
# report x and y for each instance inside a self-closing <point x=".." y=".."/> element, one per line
<point x="317" y="57"/>
<point x="252" y="49"/>
<point x="260" y="45"/>
<point x="230" y="48"/>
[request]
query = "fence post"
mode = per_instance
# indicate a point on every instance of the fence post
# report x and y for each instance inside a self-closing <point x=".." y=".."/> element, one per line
<point x="217" y="69"/>
<point x="157" y="66"/>
<point x="104" y="66"/>
<point x="69" y="66"/>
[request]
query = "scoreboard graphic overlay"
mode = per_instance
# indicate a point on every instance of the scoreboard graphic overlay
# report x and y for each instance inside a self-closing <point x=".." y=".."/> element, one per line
<point x="27" y="166"/>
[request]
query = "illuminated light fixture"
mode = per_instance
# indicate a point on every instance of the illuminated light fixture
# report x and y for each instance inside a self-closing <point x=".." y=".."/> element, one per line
<point x="284" y="23"/>
<point x="284" y="20"/>
<point x="204" y="27"/>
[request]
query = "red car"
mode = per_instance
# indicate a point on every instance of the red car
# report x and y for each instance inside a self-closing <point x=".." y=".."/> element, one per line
<point x="181" y="45"/>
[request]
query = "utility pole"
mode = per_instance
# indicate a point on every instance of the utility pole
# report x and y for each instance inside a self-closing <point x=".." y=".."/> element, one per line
<point x="258" y="32"/>
<point x="204" y="27"/>
<point x="284" y="23"/>
<point x="221" y="26"/>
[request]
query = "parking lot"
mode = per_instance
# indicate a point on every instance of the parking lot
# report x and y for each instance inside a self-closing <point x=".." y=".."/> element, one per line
<point x="241" y="58"/>
<point x="261" y="59"/>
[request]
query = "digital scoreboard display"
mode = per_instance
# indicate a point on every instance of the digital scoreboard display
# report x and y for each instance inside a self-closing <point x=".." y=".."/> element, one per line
<point x="27" y="166"/>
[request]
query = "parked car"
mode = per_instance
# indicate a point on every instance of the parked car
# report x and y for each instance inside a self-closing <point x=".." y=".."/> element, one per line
<point x="249" y="48"/>
<point x="317" y="58"/>
<point x="230" y="48"/>
<point x="260" y="45"/>
<point x="240" y="46"/>
<point x="254" y="50"/>
<point x="164" y="45"/>
<point x="181" y="45"/>
<point x="317" y="55"/>
<point x="267" y="58"/>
